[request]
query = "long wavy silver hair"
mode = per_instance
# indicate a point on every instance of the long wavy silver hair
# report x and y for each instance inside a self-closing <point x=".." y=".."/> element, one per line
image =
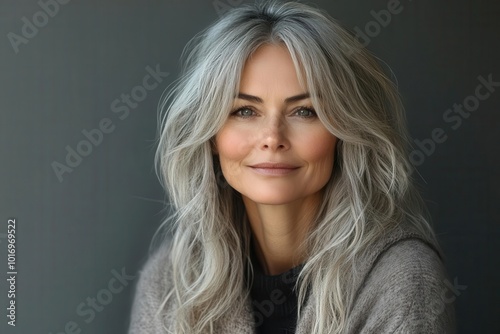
<point x="369" y="192"/>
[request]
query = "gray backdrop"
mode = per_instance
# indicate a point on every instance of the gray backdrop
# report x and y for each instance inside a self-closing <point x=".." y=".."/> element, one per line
<point x="79" y="85"/>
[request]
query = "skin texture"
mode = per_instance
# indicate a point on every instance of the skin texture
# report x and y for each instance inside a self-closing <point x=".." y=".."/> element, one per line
<point x="279" y="207"/>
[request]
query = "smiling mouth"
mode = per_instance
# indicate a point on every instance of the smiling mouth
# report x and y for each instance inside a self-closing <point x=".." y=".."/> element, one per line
<point x="273" y="169"/>
<point x="274" y="165"/>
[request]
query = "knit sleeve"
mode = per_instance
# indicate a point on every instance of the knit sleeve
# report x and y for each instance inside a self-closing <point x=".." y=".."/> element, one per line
<point x="149" y="293"/>
<point x="407" y="291"/>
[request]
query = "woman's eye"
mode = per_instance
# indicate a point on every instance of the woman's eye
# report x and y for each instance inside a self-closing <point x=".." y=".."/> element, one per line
<point x="243" y="112"/>
<point x="305" y="112"/>
<point x="246" y="112"/>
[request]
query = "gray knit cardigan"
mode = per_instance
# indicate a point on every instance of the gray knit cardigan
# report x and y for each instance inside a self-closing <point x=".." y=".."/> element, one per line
<point x="402" y="287"/>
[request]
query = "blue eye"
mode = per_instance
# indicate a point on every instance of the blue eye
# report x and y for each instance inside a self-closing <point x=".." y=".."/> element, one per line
<point x="305" y="112"/>
<point x="243" y="112"/>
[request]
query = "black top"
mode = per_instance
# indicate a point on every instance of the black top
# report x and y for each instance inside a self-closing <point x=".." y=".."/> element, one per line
<point x="274" y="300"/>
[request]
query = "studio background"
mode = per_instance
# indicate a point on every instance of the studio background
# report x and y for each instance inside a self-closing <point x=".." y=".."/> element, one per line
<point x="70" y="70"/>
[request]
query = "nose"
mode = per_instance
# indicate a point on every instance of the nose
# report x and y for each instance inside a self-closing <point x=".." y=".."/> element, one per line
<point x="274" y="136"/>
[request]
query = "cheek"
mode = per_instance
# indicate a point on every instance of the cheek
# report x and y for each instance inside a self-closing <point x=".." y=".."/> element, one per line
<point x="232" y="147"/>
<point x="321" y="158"/>
<point x="228" y="144"/>
<point x="319" y="148"/>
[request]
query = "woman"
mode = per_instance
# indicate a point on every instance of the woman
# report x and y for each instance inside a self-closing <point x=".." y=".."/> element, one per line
<point x="283" y="153"/>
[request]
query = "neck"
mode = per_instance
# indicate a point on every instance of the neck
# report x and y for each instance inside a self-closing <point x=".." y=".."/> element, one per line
<point x="279" y="232"/>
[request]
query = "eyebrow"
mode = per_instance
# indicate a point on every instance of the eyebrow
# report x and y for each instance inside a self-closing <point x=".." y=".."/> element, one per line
<point x="257" y="99"/>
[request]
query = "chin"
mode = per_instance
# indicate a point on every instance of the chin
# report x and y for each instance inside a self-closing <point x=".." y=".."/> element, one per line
<point x="271" y="197"/>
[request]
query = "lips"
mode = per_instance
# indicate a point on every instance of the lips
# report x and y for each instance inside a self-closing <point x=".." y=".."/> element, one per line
<point x="274" y="165"/>
<point x="274" y="169"/>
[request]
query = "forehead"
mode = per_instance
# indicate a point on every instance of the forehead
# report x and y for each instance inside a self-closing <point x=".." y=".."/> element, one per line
<point x="270" y="69"/>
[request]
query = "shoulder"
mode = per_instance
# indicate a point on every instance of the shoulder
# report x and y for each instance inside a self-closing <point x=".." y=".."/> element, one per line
<point x="157" y="267"/>
<point x="150" y="291"/>
<point x="405" y="290"/>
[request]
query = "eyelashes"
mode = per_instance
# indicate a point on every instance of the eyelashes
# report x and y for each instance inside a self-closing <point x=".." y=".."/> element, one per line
<point x="237" y="111"/>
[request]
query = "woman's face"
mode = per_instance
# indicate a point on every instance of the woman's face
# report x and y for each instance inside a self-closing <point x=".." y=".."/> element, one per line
<point x="272" y="122"/>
